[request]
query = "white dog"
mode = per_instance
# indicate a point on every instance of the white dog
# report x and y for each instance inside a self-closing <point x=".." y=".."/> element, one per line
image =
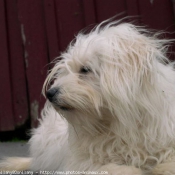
<point x="111" y="107"/>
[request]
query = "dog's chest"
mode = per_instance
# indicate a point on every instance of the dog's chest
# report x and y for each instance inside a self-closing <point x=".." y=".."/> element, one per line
<point x="103" y="150"/>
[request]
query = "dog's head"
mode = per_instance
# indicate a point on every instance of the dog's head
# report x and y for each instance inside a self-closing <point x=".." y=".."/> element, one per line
<point x="108" y="69"/>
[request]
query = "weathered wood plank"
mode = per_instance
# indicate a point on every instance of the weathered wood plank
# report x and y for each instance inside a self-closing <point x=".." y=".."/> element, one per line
<point x="70" y="20"/>
<point x="132" y="9"/>
<point x="6" y="111"/>
<point x="19" y="90"/>
<point x="31" y="17"/>
<point x="159" y="15"/>
<point x="107" y="9"/>
<point x="51" y="28"/>
<point x="89" y="12"/>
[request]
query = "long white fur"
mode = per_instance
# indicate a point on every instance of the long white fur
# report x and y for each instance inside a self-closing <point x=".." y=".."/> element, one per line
<point x="15" y="163"/>
<point x="122" y="112"/>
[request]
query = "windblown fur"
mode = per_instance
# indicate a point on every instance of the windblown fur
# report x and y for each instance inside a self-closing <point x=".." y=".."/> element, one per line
<point x="15" y="163"/>
<point x="115" y="105"/>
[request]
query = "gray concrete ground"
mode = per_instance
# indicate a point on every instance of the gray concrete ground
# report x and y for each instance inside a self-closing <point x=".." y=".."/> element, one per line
<point x="11" y="149"/>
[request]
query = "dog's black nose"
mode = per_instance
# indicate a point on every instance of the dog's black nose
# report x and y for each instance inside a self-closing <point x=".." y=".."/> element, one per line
<point x="50" y="94"/>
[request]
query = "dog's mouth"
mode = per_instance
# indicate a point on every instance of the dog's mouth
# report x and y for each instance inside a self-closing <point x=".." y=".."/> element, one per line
<point x="62" y="106"/>
<point x="65" y="107"/>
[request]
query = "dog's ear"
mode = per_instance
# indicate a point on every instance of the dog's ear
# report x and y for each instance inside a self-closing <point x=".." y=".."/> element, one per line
<point x="129" y="58"/>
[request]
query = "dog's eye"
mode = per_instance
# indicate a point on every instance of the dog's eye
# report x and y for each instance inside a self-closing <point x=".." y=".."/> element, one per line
<point x="85" y="70"/>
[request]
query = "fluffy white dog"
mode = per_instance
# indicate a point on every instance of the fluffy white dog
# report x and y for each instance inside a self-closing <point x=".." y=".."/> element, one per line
<point x="111" y="107"/>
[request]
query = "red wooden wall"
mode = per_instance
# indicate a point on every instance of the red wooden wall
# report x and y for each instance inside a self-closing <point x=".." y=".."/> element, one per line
<point x="33" y="32"/>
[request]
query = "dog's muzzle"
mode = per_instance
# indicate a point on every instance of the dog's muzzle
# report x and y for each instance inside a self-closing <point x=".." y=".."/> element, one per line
<point x="51" y="94"/>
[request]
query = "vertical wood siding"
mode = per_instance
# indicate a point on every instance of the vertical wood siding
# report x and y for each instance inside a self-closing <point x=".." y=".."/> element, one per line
<point x="6" y="107"/>
<point x="34" y="32"/>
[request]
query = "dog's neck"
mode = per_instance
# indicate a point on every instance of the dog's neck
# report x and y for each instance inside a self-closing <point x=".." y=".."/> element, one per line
<point x="102" y="137"/>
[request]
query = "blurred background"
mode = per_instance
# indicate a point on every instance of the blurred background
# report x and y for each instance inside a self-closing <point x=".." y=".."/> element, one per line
<point x="34" y="32"/>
